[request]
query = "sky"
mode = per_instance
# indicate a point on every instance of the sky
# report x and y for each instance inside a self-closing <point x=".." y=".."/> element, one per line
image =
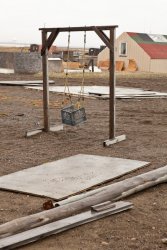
<point x="20" y="20"/>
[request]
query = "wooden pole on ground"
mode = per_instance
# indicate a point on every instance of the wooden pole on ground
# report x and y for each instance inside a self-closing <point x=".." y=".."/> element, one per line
<point x="45" y="83"/>
<point x="111" y="192"/>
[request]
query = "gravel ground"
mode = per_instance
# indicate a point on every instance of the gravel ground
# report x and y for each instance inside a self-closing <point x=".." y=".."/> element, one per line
<point x="144" y="121"/>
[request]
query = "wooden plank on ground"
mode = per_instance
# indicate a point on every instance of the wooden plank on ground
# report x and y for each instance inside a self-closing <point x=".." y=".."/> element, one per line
<point x="54" y="128"/>
<point x="24" y="83"/>
<point x="38" y="233"/>
<point x="112" y="192"/>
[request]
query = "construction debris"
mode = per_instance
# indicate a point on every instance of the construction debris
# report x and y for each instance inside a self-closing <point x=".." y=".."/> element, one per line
<point x="61" y="225"/>
<point x="24" y="83"/>
<point x="102" y="92"/>
<point x="110" y="193"/>
<point x="104" y="65"/>
<point x="119" y="65"/>
<point x="71" y="65"/>
<point x="132" y="66"/>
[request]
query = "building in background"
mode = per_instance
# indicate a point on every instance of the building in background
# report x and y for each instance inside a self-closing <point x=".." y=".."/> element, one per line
<point x="139" y="51"/>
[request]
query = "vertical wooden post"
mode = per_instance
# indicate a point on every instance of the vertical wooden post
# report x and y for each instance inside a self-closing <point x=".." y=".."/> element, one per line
<point x="112" y="86"/>
<point x="92" y="65"/>
<point x="45" y="83"/>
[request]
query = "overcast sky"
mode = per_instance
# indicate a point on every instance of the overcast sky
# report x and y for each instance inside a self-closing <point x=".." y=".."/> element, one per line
<point x="21" y="19"/>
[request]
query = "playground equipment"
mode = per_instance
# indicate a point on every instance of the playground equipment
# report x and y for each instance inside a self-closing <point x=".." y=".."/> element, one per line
<point x="73" y="113"/>
<point x="47" y="42"/>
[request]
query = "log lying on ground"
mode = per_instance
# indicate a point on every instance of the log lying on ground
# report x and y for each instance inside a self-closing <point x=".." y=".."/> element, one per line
<point x="111" y="192"/>
<point x="95" y="191"/>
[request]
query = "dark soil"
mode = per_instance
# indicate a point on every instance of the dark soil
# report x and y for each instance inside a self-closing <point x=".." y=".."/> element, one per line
<point x="144" y="121"/>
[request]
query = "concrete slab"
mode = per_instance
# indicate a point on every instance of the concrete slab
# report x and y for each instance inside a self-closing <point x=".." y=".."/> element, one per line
<point x="121" y="92"/>
<point x="24" y="83"/>
<point x="6" y="71"/>
<point x="68" y="176"/>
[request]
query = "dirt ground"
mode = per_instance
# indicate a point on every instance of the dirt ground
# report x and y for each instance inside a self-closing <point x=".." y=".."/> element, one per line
<point x="144" y="121"/>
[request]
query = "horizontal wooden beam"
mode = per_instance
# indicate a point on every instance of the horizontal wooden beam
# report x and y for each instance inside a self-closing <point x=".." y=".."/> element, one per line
<point x="50" y="40"/>
<point x="84" y="28"/>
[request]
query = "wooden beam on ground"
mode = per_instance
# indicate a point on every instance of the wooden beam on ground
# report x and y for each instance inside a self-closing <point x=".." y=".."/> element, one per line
<point x="33" y="132"/>
<point x="61" y="226"/>
<point x="111" y="193"/>
<point x="50" y="40"/>
<point x="125" y="194"/>
<point x="114" y="140"/>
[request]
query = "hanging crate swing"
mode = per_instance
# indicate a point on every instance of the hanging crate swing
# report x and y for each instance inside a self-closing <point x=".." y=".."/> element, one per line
<point x="72" y="115"/>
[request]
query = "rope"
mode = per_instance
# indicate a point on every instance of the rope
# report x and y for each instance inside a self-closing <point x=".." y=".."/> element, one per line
<point x="81" y="96"/>
<point x="80" y="101"/>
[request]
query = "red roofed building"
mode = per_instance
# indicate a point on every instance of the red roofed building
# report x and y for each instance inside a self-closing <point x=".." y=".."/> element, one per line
<point x="149" y="51"/>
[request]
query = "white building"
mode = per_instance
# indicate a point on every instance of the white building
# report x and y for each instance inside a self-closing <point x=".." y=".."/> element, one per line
<point x="149" y="51"/>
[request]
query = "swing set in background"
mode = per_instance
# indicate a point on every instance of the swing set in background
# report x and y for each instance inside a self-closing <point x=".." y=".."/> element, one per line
<point x="73" y="114"/>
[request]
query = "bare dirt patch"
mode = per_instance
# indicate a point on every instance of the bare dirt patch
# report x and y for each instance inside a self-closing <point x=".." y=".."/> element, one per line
<point x="144" y="121"/>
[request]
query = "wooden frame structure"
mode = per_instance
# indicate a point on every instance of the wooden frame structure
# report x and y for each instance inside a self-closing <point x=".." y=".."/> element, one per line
<point x="47" y="42"/>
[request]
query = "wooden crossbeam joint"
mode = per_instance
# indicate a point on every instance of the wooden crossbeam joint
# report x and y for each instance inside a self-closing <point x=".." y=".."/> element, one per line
<point x="104" y="38"/>
<point x="50" y="41"/>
